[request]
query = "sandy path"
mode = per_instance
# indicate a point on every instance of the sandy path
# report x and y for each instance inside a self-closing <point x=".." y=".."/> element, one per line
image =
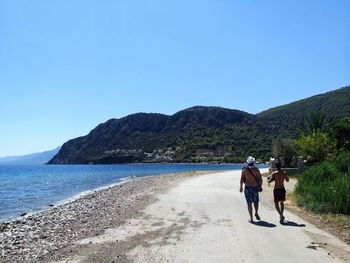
<point x="204" y="219"/>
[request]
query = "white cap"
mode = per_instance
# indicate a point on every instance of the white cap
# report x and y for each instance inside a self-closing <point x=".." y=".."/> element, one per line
<point x="250" y="160"/>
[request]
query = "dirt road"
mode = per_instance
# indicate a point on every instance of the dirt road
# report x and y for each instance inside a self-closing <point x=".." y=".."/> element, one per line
<point x="205" y="219"/>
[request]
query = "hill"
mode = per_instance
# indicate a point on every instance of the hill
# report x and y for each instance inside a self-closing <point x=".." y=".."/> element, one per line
<point x="197" y="134"/>
<point x="287" y="118"/>
<point x="192" y="135"/>
<point x="30" y="159"/>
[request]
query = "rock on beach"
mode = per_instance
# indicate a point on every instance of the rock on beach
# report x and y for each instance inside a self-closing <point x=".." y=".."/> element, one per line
<point x="48" y="234"/>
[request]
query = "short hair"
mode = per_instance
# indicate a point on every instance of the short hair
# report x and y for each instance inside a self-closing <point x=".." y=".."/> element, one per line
<point x="278" y="166"/>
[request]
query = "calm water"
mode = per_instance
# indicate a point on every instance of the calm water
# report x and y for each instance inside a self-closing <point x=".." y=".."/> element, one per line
<point x="26" y="189"/>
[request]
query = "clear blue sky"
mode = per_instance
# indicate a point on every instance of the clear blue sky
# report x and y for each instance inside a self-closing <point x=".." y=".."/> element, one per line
<point x="66" y="66"/>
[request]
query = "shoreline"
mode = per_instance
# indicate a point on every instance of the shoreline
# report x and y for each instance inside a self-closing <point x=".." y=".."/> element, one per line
<point x="200" y="220"/>
<point x="17" y="210"/>
<point x="57" y="233"/>
<point x="45" y="235"/>
<point x="62" y="202"/>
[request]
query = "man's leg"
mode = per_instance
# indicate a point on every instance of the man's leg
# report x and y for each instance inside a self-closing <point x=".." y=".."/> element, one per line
<point x="250" y="210"/>
<point x="282" y="210"/>
<point x="282" y="207"/>
<point x="256" y="206"/>
<point x="278" y="208"/>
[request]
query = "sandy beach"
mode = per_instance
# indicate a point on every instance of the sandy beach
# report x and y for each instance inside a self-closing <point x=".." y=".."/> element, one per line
<point x="174" y="218"/>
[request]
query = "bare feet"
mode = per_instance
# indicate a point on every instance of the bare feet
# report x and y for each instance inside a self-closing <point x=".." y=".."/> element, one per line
<point x="257" y="217"/>
<point x="281" y="219"/>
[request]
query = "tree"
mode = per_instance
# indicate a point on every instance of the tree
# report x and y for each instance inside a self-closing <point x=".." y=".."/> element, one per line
<point x="341" y="133"/>
<point x="316" y="146"/>
<point x="316" y="121"/>
<point x="284" y="148"/>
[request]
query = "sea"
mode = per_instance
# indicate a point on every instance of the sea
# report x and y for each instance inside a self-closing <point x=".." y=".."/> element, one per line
<point x="30" y="189"/>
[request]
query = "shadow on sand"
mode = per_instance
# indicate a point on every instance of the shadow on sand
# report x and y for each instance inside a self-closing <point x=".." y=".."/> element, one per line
<point x="263" y="223"/>
<point x="291" y="223"/>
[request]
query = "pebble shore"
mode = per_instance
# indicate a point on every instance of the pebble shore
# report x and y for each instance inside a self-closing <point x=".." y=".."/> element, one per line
<point x="47" y="235"/>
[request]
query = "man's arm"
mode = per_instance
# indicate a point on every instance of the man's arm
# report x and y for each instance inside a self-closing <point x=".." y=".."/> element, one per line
<point x="260" y="177"/>
<point x="241" y="182"/>
<point x="272" y="177"/>
<point x="286" y="177"/>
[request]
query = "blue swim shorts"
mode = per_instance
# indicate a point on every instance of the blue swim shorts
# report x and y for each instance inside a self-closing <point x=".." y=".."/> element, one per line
<point x="251" y="194"/>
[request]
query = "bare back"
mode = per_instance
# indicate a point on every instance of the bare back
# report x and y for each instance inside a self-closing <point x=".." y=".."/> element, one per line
<point x="248" y="178"/>
<point x="279" y="177"/>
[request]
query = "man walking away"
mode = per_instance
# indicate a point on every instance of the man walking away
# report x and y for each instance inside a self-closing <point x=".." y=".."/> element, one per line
<point x="279" y="192"/>
<point x="252" y="179"/>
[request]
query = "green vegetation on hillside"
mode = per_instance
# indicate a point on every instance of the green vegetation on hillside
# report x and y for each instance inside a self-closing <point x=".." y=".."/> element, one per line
<point x="288" y="120"/>
<point x="198" y="134"/>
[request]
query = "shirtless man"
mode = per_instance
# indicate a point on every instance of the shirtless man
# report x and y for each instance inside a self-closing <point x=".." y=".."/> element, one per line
<point x="252" y="179"/>
<point x="279" y="192"/>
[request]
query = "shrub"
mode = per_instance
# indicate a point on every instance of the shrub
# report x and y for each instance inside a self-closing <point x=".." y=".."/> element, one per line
<point x="341" y="133"/>
<point x="316" y="145"/>
<point x="325" y="188"/>
<point x="342" y="162"/>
